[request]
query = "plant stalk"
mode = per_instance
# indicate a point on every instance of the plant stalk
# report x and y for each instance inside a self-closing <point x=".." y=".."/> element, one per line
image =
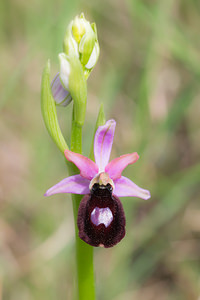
<point x="84" y="252"/>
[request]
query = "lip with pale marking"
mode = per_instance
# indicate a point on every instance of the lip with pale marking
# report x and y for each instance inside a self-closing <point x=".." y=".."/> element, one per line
<point x="101" y="219"/>
<point x="101" y="216"/>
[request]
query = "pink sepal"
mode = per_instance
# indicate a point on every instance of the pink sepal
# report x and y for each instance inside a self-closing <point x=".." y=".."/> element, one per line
<point x="88" y="168"/>
<point x="75" y="184"/>
<point x="103" y="144"/>
<point x="124" y="187"/>
<point x="117" y="165"/>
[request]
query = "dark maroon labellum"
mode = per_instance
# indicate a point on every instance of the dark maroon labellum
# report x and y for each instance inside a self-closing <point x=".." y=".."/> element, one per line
<point x="101" y="219"/>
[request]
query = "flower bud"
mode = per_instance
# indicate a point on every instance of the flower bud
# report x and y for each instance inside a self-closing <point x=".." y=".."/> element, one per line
<point x="70" y="44"/>
<point x="93" y="57"/>
<point x="81" y="41"/>
<point x="64" y="70"/>
<point x="79" y="27"/>
<point x="61" y="96"/>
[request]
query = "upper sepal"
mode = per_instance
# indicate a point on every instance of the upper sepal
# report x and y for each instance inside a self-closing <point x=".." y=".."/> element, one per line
<point x="103" y="144"/>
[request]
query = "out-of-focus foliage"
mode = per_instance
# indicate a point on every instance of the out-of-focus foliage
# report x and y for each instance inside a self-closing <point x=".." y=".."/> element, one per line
<point x="148" y="78"/>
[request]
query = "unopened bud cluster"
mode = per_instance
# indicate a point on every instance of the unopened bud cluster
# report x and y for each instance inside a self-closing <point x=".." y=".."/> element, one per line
<point x="81" y="40"/>
<point x="81" y="52"/>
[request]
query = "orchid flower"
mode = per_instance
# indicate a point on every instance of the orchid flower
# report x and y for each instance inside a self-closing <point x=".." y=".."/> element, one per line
<point x="101" y="220"/>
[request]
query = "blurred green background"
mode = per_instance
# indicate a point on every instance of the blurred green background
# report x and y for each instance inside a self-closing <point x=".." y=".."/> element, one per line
<point x="148" y="77"/>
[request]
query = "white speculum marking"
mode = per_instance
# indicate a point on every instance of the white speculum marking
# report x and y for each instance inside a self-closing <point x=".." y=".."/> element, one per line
<point x="101" y="216"/>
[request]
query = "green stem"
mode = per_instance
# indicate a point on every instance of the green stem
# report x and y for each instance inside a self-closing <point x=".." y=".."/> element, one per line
<point x="76" y="137"/>
<point x="84" y="252"/>
<point x="84" y="261"/>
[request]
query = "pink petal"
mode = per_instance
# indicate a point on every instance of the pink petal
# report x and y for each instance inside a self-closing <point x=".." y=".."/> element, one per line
<point x="124" y="187"/>
<point x="88" y="168"/>
<point x="117" y="165"/>
<point x="75" y="184"/>
<point x="103" y="144"/>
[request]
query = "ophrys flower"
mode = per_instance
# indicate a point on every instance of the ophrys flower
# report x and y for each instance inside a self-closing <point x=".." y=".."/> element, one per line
<point x="101" y="219"/>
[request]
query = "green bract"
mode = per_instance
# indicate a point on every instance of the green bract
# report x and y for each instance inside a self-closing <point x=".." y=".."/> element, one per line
<point x="49" y="111"/>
